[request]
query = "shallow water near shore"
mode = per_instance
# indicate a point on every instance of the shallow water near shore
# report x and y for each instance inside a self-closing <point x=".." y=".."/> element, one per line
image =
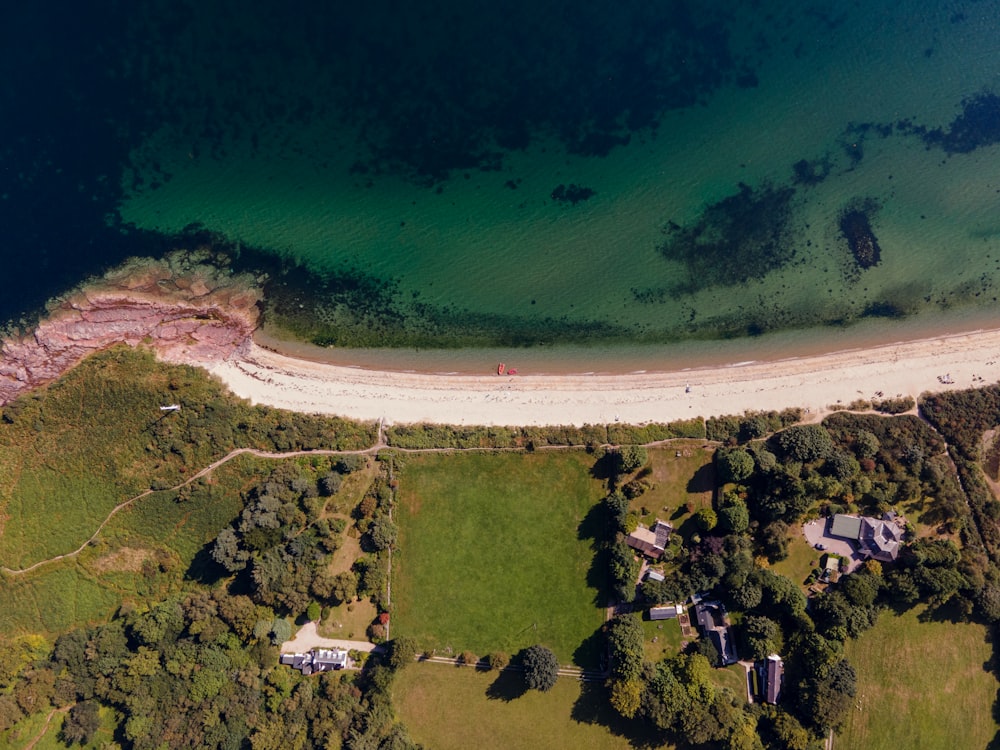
<point x="622" y="359"/>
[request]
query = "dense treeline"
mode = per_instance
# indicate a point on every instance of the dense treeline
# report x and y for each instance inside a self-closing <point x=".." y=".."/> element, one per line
<point x="750" y="426"/>
<point x="450" y="436"/>
<point x="963" y="417"/>
<point x="201" y="670"/>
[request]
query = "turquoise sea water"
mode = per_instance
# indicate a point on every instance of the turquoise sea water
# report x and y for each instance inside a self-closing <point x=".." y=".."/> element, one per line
<point x="423" y="150"/>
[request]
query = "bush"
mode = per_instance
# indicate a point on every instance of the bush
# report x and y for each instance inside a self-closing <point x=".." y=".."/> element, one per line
<point x="469" y="659"/>
<point x="498" y="661"/>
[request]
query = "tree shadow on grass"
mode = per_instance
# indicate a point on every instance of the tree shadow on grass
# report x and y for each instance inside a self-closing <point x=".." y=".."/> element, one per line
<point x="594" y="527"/>
<point x="604" y="467"/>
<point x="591" y="653"/>
<point x="508" y="686"/>
<point x="594" y="707"/>
<point x="204" y="569"/>
<point x="703" y="479"/>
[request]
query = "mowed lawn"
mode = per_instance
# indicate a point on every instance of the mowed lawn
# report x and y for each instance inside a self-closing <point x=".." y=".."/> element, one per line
<point x="921" y="684"/>
<point x="491" y="554"/>
<point x="455" y="708"/>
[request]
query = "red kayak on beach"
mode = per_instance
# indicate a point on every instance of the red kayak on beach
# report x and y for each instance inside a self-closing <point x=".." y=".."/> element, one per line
<point x="500" y="368"/>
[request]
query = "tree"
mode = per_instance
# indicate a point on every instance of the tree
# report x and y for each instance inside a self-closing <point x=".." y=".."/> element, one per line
<point x="383" y="533"/>
<point x="774" y="540"/>
<point x="541" y="668"/>
<point x="402" y="651"/>
<point x="624" y="569"/>
<point x="735" y="518"/>
<point x="631" y="457"/>
<point x="626" y="696"/>
<point x="734" y="465"/>
<point x="706" y="519"/>
<point x="805" y="443"/>
<point x="227" y="551"/>
<point x="81" y="724"/>
<point x="866" y="445"/>
<point x="789" y="733"/>
<point x="330" y="484"/>
<point x="281" y="631"/>
<point x="762" y="636"/>
<point x="313" y="611"/>
<point x="625" y="644"/>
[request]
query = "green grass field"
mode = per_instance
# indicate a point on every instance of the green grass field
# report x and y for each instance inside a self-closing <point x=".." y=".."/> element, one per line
<point x="921" y="684"/>
<point x="492" y="555"/>
<point x="676" y="481"/>
<point x="667" y="635"/>
<point x="446" y="708"/>
<point x="801" y="560"/>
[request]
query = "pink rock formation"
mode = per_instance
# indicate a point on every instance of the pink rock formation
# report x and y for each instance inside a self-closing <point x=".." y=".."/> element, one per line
<point x="181" y="307"/>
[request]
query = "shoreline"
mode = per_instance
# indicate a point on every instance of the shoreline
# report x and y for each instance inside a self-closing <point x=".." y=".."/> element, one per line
<point x="634" y="358"/>
<point x="814" y="383"/>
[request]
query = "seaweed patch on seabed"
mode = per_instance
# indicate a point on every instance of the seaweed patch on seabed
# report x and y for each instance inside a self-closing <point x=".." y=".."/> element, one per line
<point x="855" y="222"/>
<point x="739" y="238"/>
<point x="977" y="126"/>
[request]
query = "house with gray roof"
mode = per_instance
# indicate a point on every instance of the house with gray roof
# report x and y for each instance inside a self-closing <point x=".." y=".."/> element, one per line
<point x="876" y="539"/>
<point x="771" y="677"/>
<point x="714" y="624"/>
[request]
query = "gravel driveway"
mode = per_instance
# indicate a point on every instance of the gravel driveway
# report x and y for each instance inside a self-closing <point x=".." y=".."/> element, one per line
<point x="816" y="533"/>
<point x="307" y="638"/>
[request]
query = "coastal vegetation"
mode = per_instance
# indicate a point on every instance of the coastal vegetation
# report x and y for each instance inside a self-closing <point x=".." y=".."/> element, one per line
<point x="515" y="547"/>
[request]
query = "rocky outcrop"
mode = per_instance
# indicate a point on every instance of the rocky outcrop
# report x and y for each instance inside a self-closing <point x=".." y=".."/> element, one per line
<point x="183" y="307"/>
<point x="857" y="230"/>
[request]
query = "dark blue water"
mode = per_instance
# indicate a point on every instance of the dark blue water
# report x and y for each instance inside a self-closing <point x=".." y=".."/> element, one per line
<point x="128" y="124"/>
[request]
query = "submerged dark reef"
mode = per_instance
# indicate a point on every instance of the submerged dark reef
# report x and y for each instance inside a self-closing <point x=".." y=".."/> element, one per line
<point x="855" y="227"/>
<point x="741" y="237"/>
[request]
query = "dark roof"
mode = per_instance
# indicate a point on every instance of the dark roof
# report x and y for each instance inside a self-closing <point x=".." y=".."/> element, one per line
<point x="662" y="529"/>
<point x="774" y="676"/>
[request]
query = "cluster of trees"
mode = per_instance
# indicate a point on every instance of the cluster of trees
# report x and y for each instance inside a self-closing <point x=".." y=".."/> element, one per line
<point x="279" y="546"/>
<point x="200" y="670"/>
<point x="675" y="695"/>
<point x="858" y="463"/>
<point x="750" y="426"/>
<point x="963" y="417"/>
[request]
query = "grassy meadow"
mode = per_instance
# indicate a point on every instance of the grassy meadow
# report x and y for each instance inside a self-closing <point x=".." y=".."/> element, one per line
<point x="921" y="684"/>
<point x="495" y="553"/>
<point x="676" y="480"/>
<point x="446" y="707"/>
<point x="71" y="452"/>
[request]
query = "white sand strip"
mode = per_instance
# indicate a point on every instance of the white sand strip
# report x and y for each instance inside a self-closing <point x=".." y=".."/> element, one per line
<point x="814" y="383"/>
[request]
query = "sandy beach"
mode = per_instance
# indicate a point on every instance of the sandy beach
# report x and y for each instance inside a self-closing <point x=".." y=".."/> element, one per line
<point x="813" y="383"/>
